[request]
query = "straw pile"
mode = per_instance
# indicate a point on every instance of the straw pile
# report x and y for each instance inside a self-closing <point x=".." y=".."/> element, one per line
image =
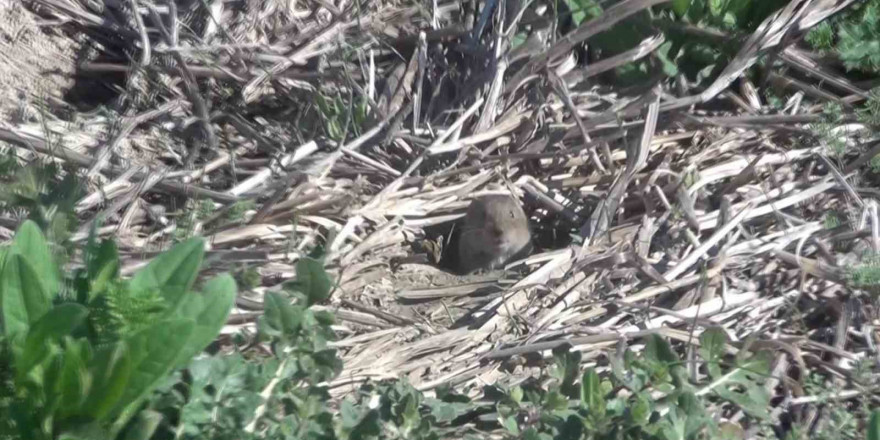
<point x="656" y="210"/>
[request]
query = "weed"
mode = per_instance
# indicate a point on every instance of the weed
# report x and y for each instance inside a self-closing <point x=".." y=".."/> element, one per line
<point x="44" y="194"/>
<point x="82" y="367"/>
<point x="194" y="212"/>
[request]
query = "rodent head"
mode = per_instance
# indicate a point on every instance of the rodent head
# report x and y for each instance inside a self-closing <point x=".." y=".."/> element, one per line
<point x="495" y="229"/>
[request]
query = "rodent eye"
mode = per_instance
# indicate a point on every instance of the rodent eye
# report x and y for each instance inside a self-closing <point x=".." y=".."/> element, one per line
<point x="496" y="232"/>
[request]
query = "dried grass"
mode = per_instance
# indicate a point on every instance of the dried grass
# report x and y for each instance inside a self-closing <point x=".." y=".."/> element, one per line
<point x="689" y="220"/>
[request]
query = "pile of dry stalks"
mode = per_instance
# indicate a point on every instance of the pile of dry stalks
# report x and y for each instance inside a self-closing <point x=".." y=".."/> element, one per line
<point x="360" y="127"/>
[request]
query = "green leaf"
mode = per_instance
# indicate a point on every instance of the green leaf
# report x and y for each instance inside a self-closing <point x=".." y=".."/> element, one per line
<point x="717" y="7"/>
<point x="30" y="243"/>
<point x="89" y="431"/>
<point x="23" y="299"/>
<point x="313" y="279"/>
<point x="681" y="7"/>
<point x="144" y="425"/>
<point x="209" y="310"/>
<point x="73" y="384"/>
<point x="174" y="272"/>
<point x="155" y="351"/>
<point x="111" y="368"/>
<point x="874" y="426"/>
<point x="516" y="394"/>
<point x="592" y="396"/>
<point x="281" y="315"/>
<point x="103" y="266"/>
<point x="712" y="344"/>
<point x="583" y="10"/>
<point x="658" y="350"/>
<point x="667" y="60"/>
<point x="509" y="423"/>
<point x="712" y="349"/>
<point x="60" y="321"/>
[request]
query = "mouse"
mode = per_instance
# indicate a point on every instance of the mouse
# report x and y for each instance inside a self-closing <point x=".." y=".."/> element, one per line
<point x="495" y="229"/>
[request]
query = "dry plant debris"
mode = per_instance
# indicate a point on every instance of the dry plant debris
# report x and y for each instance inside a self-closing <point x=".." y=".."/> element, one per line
<point x="360" y="126"/>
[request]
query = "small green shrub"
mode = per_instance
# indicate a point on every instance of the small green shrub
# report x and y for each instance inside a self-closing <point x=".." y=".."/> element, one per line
<point x="81" y="355"/>
<point x="647" y="397"/>
<point x="853" y="35"/>
<point x="234" y="396"/>
<point x="865" y="275"/>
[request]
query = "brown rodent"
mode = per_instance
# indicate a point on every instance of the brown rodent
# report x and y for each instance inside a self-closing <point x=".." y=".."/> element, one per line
<point x="495" y="229"/>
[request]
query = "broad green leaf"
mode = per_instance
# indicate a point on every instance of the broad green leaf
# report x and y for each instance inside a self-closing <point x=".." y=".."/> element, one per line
<point x="172" y="273"/>
<point x="23" y="299"/>
<point x="4" y="251"/>
<point x="111" y="369"/>
<point x="509" y="423"/>
<point x="740" y="384"/>
<point x="73" y="384"/>
<point x="712" y="349"/>
<point x="695" y="412"/>
<point x="583" y="10"/>
<point x="313" y="279"/>
<point x="60" y="321"/>
<point x="103" y="267"/>
<point x="516" y="394"/>
<point x="658" y="349"/>
<point x="89" y="431"/>
<point x="270" y="322"/>
<point x="874" y="426"/>
<point x="681" y="6"/>
<point x="592" y="396"/>
<point x="144" y="425"/>
<point x="281" y="315"/>
<point x="209" y="310"/>
<point x="717" y="7"/>
<point x="155" y="351"/>
<point x="667" y="58"/>
<point x="349" y="414"/>
<point x="712" y="344"/>
<point x="30" y="243"/>
<point x="102" y="255"/>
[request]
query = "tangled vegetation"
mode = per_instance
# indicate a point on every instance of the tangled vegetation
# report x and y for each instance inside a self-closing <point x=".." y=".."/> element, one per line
<point x="235" y="223"/>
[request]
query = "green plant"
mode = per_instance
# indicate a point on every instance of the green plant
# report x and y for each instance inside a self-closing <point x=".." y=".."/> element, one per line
<point x="192" y="214"/>
<point x="865" y="275"/>
<point x="238" y="210"/>
<point x="870" y="112"/>
<point x="874" y="426"/>
<point x="874" y="164"/>
<point x="222" y="396"/>
<point x="341" y="117"/>
<point x="82" y="356"/>
<point x="854" y="35"/>
<point x="832" y="115"/>
<point x="647" y="397"/>
<point x="831" y="220"/>
<point x="687" y="49"/>
<point x="840" y="422"/>
<point x="36" y="189"/>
